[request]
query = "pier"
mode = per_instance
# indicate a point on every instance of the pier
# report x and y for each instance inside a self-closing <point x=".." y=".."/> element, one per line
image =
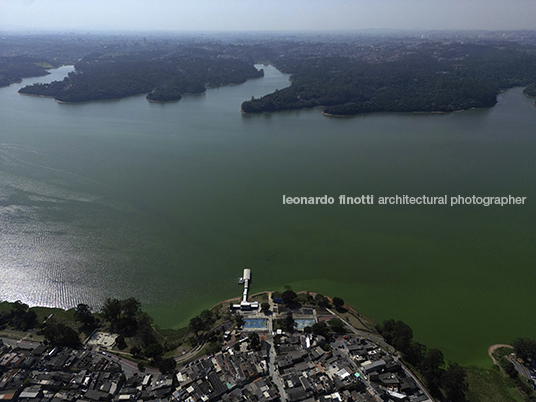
<point x="245" y="304"/>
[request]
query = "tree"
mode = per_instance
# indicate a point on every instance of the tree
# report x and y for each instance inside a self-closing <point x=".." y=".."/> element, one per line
<point x="239" y="321"/>
<point x="337" y="326"/>
<point x="130" y="307"/>
<point x="206" y="316"/>
<point x="320" y="328"/>
<point x="129" y="310"/>
<point x="454" y="382"/>
<point x="432" y="369"/>
<point x="120" y="342"/>
<point x="22" y="317"/>
<point x="397" y="333"/>
<point x="508" y="368"/>
<point x="122" y="314"/>
<point x="276" y="295"/>
<point x="145" y="332"/>
<point x="58" y="334"/>
<point x="415" y="353"/>
<point x="111" y="310"/>
<point x="167" y="365"/>
<point x="196" y="324"/>
<point x="289" y="296"/>
<point x="321" y="300"/>
<point x="338" y="302"/>
<point x="525" y="348"/>
<point x="265" y="307"/>
<point x="19" y="307"/>
<point x="287" y="323"/>
<point x="82" y="313"/>
<point x="254" y="341"/>
<point x="213" y="347"/>
<point x="154" y="350"/>
<point x="136" y="352"/>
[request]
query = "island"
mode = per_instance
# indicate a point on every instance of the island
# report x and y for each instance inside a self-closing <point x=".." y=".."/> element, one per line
<point x="268" y="346"/>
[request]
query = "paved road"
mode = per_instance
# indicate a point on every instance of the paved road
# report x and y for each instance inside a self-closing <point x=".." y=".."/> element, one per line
<point x="20" y="343"/>
<point x="271" y="367"/>
<point x="521" y="369"/>
<point x="191" y="354"/>
<point x="129" y="367"/>
<point x="271" y="357"/>
<point x="374" y="338"/>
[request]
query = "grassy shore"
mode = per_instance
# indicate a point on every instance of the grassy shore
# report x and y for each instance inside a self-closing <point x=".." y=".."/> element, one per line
<point x="490" y="385"/>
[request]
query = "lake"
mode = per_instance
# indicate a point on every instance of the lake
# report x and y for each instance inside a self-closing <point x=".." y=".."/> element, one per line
<point x="169" y="202"/>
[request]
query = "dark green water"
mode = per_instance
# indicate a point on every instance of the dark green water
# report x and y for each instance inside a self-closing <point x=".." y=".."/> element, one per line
<point x="169" y="202"/>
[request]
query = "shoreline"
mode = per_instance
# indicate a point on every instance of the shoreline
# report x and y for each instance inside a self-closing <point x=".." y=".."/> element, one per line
<point x="159" y="101"/>
<point x="199" y="351"/>
<point x="37" y="96"/>
<point x="413" y="112"/>
<point x="65" y="102"/>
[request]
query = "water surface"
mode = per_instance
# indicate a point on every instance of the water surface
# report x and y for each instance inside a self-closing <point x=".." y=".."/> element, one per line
<point x="169" y="202"/>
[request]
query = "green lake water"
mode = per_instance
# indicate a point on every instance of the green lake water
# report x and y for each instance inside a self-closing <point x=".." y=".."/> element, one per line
<point x="169" y="202"/>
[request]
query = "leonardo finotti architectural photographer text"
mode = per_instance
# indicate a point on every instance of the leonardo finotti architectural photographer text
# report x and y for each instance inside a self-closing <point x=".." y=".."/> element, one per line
<point x="405" y="200"/>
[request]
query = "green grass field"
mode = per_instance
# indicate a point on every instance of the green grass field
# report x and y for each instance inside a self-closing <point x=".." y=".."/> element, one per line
<point x="489" y="385"/>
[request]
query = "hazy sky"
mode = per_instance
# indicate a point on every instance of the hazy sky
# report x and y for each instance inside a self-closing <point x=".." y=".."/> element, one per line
<point x="238" y="15"/>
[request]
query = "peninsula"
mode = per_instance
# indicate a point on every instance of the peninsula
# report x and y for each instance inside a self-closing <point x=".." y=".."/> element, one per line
<point x="162" y="77"/>
<point x="416" y="77"/>
<point x="271" y="346"/>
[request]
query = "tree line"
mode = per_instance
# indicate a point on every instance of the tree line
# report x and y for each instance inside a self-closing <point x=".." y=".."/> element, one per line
<point x="122" y="317"/>
<point x="442" y="380"/>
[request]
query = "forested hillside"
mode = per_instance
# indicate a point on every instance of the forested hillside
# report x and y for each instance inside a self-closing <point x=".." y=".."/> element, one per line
<point x="14" y="69"/>
<point x="430" y="77"/>
<point x="164" y="77"/>
<point x="347" y="74"/>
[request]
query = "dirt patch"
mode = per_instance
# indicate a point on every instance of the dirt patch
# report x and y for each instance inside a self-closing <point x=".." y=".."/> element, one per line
<point x="493" y="348"/>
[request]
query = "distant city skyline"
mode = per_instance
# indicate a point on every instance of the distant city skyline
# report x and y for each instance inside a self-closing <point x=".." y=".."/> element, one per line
<point x="265" y="15"/>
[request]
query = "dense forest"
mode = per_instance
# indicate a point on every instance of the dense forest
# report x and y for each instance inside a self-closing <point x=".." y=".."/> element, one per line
<point x="346" y="74"/>
<point x="429" y="78"/>
<point x="14" y="69"/>
<point x="162" y="77"/>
